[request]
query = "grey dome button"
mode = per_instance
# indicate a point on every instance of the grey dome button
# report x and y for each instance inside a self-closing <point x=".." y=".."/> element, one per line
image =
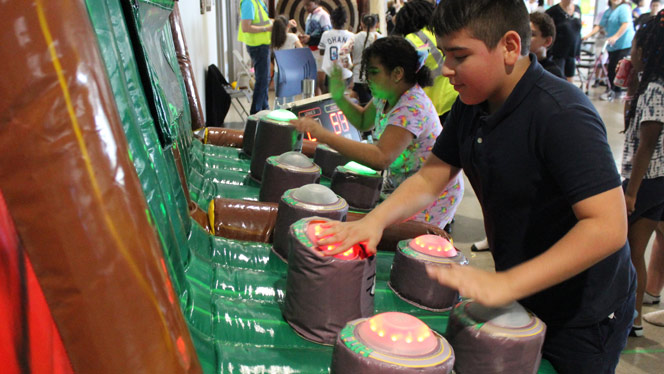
<point x="315" y="194"/>
<point x="513" y="315"/>
<point x="294" y="158"/>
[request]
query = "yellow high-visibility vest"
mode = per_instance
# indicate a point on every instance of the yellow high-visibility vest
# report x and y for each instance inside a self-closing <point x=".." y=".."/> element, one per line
<point x="260" y="19"/>
<point x="441" y="93"/>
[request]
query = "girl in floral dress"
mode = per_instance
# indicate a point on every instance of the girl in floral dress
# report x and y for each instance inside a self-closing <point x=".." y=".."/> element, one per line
<point x="403" y="118"/>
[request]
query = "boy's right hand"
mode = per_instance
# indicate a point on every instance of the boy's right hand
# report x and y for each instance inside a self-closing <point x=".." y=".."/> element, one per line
<point x="347" y="234"/>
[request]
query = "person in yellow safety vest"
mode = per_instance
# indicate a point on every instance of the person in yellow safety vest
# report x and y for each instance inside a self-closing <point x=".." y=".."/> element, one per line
<point x="412" y="23"/>
<point x="255" y="31"/>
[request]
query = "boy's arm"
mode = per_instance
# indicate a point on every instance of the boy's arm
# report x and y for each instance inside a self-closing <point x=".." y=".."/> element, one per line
<point x="410" y="198"/>
<point x="600" y="231"/>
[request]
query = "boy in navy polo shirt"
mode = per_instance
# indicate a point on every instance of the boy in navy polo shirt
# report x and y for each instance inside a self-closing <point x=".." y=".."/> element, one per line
<point x="536" y="154"/>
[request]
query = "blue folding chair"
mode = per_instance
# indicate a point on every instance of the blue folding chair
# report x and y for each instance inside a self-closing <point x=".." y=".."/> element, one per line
<point x="294" y="65"/>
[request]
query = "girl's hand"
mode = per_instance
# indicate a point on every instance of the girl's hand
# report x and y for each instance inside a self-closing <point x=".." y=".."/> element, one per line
<point x="292" y="23"/>
<point x="630" y="203"/>
<point x="307" y="124"/>
<point x="337" y="86"/>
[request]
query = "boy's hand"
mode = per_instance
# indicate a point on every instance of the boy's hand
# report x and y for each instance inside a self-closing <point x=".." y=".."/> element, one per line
<point x="347" y="234"/>
<point x="336" y="84"/>
<point x="487" y="288"/>
<point x="307" y="124"/>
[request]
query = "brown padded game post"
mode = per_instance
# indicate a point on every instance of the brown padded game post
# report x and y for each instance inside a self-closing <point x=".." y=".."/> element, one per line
<point x="244" y="220"/>
<point x="233" y="138"/>
<point x="195" y="106"/>
<point x="76" y="199"/>
<point x="224" y="137"/>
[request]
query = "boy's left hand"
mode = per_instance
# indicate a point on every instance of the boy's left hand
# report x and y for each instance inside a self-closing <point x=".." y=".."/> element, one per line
<point x="487" y="288"/>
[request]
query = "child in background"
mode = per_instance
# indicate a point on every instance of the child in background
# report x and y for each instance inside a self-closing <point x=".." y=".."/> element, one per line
<point x="643" y="153"/>
<point x="544" y="33"/>
<point x="282" y="38"/>
<point x="351" y="53"/>
<point x="330" y="45"/>
<point x="536" y="153"/>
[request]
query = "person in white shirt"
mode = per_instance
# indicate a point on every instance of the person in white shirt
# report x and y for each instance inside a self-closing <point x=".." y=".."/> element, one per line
<point x="330" y="45"/>
<point x="282" y="38"/>
<point x="351" y="55"/>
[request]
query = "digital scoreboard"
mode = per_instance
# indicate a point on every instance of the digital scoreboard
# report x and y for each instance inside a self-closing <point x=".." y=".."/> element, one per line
<point x="326" y="111"/>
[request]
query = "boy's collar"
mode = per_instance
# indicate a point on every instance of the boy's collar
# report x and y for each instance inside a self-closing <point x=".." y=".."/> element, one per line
<point x="520" y="91"/>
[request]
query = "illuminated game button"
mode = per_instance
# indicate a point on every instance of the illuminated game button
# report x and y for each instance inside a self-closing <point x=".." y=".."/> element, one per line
<point x="360" y="169"/>
<point x="433" y="245"/>
<point x="281" y="115"/>
<point x="315" y="194"/>
<point x="314" y="230"/>
<point x="296" y="159"/>
<point x="397" y="333"/>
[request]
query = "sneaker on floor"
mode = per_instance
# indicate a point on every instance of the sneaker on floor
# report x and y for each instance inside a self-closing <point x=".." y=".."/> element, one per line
<point x="636" y="331"/>
<point x="656" y="318"/>
<point x="607" y="96"/>
<point x="481" y="246"/>
<point x="649" y="299"/>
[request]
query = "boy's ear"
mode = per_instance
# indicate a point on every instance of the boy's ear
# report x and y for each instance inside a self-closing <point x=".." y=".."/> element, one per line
<point x="548" y="41"/>
<point x="511" y="47"/>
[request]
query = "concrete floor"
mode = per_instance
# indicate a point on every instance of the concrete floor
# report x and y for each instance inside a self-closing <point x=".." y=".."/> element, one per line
<point x="642" y="355"/>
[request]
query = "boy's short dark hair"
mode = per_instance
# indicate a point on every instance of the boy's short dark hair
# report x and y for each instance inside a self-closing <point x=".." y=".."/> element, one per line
<point x="545" y="24"/>
<point x="338" y="18"/>
<point x="486" y="20"/>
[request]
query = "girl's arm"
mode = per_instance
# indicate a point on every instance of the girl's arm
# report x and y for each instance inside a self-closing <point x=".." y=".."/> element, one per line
<point x="362" y="118"/>
<point x="379" y="156"/>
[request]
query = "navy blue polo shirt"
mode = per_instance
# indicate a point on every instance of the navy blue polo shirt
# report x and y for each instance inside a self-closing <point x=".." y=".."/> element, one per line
<point x="542" y="151"/>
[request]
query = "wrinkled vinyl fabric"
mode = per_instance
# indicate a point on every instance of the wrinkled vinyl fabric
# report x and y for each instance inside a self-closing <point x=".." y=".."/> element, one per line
<point x="482" y="347"/>
<point x="70" y="185"/>
<point x="323" y="293"/>
<point x="231" y="292"/>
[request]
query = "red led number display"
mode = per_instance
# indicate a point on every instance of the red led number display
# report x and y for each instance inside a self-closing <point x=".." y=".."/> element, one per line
<point x="339" y="124"/>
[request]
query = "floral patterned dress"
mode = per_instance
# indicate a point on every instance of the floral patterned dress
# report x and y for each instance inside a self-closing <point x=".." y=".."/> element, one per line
<point x="416" y="113"/>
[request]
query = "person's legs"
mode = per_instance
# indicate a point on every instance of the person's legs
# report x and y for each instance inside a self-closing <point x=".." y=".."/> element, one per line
<point x="655" y="277"/>
<point x="642" y="222"/>
<point x="638" y="236"/>
<point x="593" y="349"/>
<point x="260" y="57"/>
